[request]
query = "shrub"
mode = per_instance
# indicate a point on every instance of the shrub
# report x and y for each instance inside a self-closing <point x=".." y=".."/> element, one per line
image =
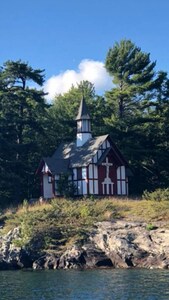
<point x="65" y="187"/>
<point x="157" y="195"/>
<point x="151" y="227"/>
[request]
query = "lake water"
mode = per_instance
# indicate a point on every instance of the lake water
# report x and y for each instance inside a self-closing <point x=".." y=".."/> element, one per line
<point x="91" y="284"/>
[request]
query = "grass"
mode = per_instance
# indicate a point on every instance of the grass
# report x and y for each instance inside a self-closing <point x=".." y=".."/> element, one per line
<point x="55" y="225"/>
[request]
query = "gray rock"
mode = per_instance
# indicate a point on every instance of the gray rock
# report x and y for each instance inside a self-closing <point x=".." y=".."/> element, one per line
<point x="46" y="261"/>
<point x="131" y="245"/>
<point x="117" y="244"/>
<point x="12" y="257"/>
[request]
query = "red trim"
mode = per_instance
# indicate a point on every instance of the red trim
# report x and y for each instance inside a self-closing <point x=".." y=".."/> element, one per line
<point x="39" y="169"/>
<point x="41" y="185"/>
<point x="87" y="172"/>
<point x="53" y="186"/>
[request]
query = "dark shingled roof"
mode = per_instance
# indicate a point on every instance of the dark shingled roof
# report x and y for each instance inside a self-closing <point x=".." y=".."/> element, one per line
<point x="70" y="156"/>
<point x="83" y="111"/>
<point x="57" y="166"/>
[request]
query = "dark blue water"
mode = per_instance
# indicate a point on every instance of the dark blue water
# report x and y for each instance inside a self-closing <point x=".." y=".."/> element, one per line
<point x="93" y="284"/>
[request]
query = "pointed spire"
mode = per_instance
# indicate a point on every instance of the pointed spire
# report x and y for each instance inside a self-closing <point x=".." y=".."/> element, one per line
<point x="83" y="111"/>
<point x="83" y="124"/>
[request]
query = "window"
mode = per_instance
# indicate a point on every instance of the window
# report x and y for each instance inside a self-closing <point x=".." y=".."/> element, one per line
<point x="79" y="173"/>
<point x="79" y="126"/>
<point x="49" y="179"/>
<point x="84" y="175"/>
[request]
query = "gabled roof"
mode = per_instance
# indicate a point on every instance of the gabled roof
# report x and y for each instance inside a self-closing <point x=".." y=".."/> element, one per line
<point x="82" y="156"/>
<point x="57" y="166"/>
<point x="79" y="156"/>
<point x="69" y="156"/>
<point x="83" y="111"/>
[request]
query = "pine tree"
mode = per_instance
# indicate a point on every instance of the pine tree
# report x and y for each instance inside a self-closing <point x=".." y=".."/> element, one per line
<point x="22" y="110"/>
<point x="136" y="111"/>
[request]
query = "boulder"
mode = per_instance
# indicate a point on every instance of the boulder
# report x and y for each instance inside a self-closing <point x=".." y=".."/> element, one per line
<point x="46" y="261"/>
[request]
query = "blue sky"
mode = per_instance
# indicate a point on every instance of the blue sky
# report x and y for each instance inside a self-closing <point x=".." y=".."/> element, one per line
<point x="70" y="39"/>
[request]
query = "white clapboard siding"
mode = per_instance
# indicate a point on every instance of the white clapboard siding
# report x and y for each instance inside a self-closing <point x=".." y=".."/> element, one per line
<point x="47" y="187"/>
<point x="91" y="190"/>
<point x="121" y="181"/>
<point x="123" y="175"/>
<point x="79" y="187"/>
<point x="118" y="173"/>
<point x="123" y="186"/>
<point x="84" y="187"/>
<point x="90" y="171"/>
<point x="96" y="188"/>
<point x="95" y="172"/>
<point x="118" y="187"/>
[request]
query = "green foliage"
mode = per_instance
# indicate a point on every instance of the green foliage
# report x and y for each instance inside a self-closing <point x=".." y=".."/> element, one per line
<point x="137" y="115"/>
<point x="157" y="195"/>
<point x="134" y="112"/>
<point x="150" y="227"/>
<point x="62" y="114"/>
<point x="56" y="207"/>
<point x="22" y="114"/>
<point x="86" y="211"/>
<point x="132" y="73"/>
<point x="25" y="205"/>
<point x="55" y="226"/>
<point x="65" y="187"/>
<point x="26" y="226"/>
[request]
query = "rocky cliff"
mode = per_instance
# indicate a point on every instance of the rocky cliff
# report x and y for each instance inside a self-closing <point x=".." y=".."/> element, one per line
<point x="117" y="244"/>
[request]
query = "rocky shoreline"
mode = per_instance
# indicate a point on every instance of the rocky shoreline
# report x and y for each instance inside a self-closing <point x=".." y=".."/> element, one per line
<point x="117" y="244"/>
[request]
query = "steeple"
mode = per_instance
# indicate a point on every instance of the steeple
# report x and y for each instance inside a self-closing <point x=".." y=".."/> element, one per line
<point x="83" y="124"/>
<point x="83" y="111"/>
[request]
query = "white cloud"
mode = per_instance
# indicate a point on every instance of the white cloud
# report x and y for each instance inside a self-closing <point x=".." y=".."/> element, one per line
<point x="90" y="70"/>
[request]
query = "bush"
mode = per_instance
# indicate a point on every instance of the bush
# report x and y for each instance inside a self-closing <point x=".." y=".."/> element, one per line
<point x="157" y="195"/>
<point x="65" y="187"/>
<point x="151" y="227"/>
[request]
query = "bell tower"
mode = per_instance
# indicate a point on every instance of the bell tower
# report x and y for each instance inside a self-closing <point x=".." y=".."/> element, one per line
<point x="83" y="125"/>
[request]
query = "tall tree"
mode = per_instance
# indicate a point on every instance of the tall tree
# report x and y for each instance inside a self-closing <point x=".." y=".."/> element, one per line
<point x="136" y="103"/>
<point x="22" y="111"/>
<point x="132" y="73"/>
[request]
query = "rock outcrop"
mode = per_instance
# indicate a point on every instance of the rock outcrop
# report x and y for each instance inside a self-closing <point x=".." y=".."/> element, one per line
<point x="11" y="256"/>
<point x="132" y="245"/>
<point x="116" y="244"/>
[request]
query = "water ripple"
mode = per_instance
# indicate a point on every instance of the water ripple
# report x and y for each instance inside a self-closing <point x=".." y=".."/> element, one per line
<point x="91" y="284"/>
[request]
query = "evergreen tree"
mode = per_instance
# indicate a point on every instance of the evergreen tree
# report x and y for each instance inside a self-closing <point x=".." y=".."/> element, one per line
<point x="22" y="111"/>
<point x="132" y="73"/>
<point x="136" y="111"/>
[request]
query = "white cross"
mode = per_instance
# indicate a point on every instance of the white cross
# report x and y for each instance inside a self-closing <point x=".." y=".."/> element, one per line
<point x="107" y="165"/>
